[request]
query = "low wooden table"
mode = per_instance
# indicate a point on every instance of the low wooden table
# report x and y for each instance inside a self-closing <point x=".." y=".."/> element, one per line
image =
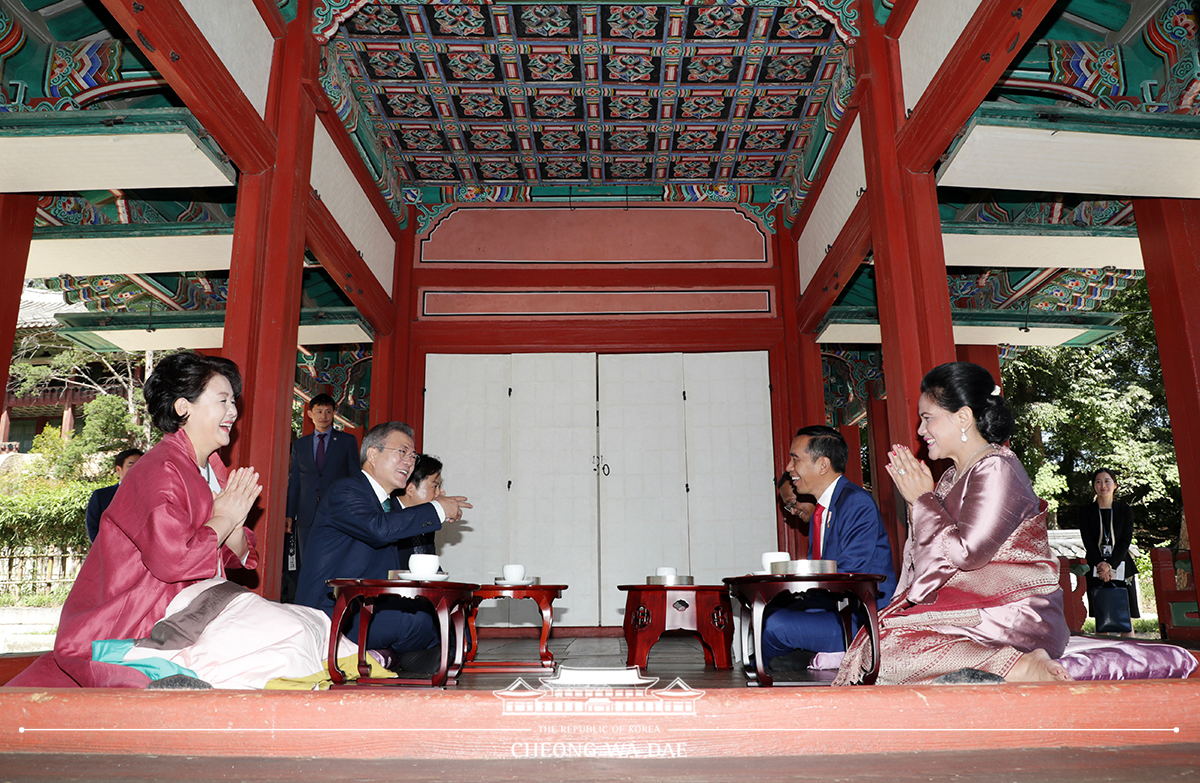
<point x="544" y="595"/>
<point x="704" y="609"/>
<point x="449" y="600"/>
<point x="755" y="592"/>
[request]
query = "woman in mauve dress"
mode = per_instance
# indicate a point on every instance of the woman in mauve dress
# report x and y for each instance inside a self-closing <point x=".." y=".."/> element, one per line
<point x="978" y="597"/>
<point x="178" y="518"/>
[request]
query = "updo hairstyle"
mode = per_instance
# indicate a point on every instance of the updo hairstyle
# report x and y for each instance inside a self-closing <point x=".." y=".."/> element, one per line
<point x="185" y="375"/>
<point x="955" y="385"/>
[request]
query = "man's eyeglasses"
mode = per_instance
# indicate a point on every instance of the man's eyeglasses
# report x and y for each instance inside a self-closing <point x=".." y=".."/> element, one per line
<point x="402" y="453"/>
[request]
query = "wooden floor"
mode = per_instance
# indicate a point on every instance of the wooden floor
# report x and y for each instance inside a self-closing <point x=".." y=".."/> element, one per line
<point x="1013" y="732"/>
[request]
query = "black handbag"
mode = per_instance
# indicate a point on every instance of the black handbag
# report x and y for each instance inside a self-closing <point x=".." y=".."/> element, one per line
<point x="1110" y="601"/>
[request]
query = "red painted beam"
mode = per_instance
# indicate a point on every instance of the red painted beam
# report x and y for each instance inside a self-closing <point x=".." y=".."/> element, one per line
<point x="880" y="443"/>
<point x="1169" y="234"/>
<point x="840" y="263"/>
<point x="616" y="335"/>
<point x="997" y="32"/>
<point x="17" y="212"/>
<point x="898" y="293"/>
<point x="622" y="278"/>
<point x="179" y="52"/>
<point x="898" y="17"/>
<point x="340" y="258"/>
<point x="341" y="138"/>
<point x="269" y="11"/>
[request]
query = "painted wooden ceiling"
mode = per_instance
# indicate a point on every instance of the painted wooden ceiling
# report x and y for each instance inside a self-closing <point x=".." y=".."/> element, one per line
<point x="589" y="95"/>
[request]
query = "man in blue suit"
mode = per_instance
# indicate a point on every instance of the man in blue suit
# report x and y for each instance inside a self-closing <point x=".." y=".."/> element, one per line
<point x="319" y="461"/>
<point x="846" y="527"/>
<point x="353" y="537"/>
<point x="103" y="496"/>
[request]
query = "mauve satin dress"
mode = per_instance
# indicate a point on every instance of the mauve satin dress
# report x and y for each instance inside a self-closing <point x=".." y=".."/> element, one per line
<point x="978" y="585"/>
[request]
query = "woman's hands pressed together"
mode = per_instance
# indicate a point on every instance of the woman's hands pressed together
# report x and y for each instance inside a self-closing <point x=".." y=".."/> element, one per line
<point x="911" y="476"/>
<point x="231" y="507"/>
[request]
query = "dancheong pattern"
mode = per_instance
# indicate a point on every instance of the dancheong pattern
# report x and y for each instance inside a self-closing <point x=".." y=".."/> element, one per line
<point x="701" y="93"/>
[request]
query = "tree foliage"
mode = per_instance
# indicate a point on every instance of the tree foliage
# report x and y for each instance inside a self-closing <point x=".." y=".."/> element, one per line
<point x="44" y="513"/>
<point x="1079" y="409"/>
<point x="43" y="361"/>
<point x="108" y="428"/>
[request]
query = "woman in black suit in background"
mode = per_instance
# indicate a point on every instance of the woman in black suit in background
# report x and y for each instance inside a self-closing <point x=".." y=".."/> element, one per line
<point x="1107" y="530"/>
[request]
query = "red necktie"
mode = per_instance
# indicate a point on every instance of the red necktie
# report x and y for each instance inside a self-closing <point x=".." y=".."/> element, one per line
<point x="818" y="522"/>
<point x="320" y="450"/>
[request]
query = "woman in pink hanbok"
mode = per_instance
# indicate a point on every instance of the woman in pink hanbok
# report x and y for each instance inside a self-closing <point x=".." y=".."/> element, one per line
<point x="978" y="597"/>
<point x="178" y="518"/>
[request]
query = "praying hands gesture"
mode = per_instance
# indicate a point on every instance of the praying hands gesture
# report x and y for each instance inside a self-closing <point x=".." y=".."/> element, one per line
<point x="911" y="475"/>
<point x="231" y="506"/>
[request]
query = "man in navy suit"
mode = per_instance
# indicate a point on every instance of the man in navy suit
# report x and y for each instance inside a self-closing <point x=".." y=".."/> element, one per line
<point x="103" y="496"/>
<point x="353" y="537"/>
<point x="846" y="527"/>
<point x="319" y="461"/>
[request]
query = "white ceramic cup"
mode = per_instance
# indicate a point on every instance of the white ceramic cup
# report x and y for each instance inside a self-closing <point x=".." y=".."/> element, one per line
<point x="423" y="565"/>
<point x="773" y="557"/>
<point x="514" y="573"/>
<point x="664" y="571"/>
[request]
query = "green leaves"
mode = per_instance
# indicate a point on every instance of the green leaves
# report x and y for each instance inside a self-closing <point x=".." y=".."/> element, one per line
<point x="1079" y="409"/>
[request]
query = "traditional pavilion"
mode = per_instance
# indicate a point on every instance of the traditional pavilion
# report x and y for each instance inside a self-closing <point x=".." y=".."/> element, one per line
<point x="424" y="208"/>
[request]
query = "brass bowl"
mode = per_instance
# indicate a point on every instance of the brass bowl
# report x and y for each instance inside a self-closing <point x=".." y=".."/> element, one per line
<point x="804" y="567"/>
<point x="677" y="579"/>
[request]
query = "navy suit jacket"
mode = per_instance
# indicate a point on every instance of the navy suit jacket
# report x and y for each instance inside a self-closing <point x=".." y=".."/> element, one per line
<point x="856" y="539"/>
<point x="354" y="538"/>
<point x="307" y="486"/>
<point x="95" y="507"/>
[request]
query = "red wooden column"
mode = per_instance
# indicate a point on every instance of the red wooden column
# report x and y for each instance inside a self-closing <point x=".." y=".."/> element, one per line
<point x="1169" y="234"/>
<point x="879" y="444"/>
<point x="262" y="320"/>
<point x="17" y="211"/>
<point x="853" y="437"/>
<point x="986" y="356"/>
<point x="390" y="353"/>
<point x="910" y="271"/>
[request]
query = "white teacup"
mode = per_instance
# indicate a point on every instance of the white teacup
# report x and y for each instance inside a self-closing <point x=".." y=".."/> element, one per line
<point x="514" y="573"/>
<point x="422" y="565"/>
<point x="664" y="571"/>
<point x="773" y="557"/>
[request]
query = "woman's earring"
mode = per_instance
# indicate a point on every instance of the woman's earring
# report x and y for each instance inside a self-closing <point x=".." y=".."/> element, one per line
<point x="964" y="434"/>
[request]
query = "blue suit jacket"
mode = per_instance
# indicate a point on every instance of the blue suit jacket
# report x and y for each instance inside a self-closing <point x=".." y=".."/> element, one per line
<point x="95" y="508"/>
<point x="354" y="538"/>
<point x="856" y="538"/>
<point x="307" y="486"/>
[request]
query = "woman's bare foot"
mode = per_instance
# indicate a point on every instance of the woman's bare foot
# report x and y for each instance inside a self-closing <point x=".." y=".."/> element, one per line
<point x="1037" y="666"/>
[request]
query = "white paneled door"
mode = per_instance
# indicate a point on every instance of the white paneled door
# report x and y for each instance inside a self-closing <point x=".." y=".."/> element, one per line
<point x="643" y="473"/>
<point x="730" y="467"/>
<point x="595" y="470"/>
<point x="552" y="505"/>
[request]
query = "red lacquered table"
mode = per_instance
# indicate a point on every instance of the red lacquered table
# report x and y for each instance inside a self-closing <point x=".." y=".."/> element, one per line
<point x="704" y="609"/>
<point x="544" y="595"/>
<point x="449" y="600"/>
<point x="755" y="592"/>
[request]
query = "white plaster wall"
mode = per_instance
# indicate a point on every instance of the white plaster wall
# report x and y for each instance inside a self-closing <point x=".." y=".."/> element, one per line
<point x="834" y="205"/>
<point x="932" y="30"/>
<point x="238" y="35"/>
<point x="350" y="207"/>
<point x="730" y="465"/>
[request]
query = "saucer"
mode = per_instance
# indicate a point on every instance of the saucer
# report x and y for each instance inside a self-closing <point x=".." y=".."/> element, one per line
<point x="514" y="583"/>
<point x="411" y="577"/>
